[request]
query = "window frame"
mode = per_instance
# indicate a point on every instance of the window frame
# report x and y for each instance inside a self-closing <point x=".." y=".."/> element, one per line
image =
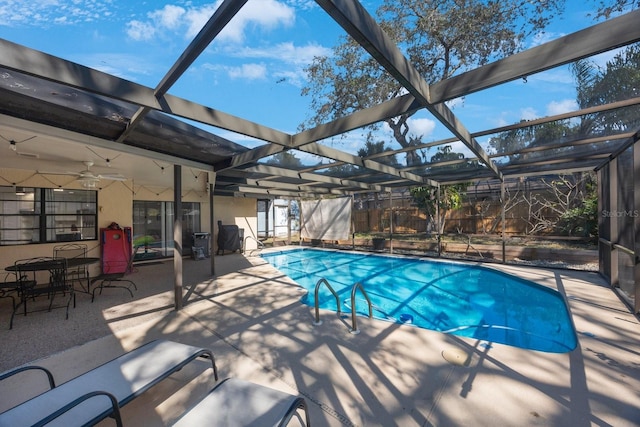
<point x="44" y="217"/>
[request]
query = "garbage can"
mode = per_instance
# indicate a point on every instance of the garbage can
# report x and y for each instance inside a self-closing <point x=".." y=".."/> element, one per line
<point x="201" y="245"/>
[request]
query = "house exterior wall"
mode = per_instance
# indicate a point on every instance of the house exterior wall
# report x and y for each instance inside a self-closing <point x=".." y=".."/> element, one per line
<point x="115" y="204"/>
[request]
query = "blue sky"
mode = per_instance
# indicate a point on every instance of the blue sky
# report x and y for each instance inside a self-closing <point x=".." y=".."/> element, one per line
<point x="255" y="68"/>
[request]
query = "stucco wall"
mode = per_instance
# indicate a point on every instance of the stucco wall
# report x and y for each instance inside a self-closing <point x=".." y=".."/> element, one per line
<point x="115" y="204"/>
<point x="239" y="211"/>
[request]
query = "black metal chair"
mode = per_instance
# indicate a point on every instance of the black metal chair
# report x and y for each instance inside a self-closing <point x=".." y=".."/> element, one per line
<point x="56" y="283"/>
<point x="113" y="276"/>
<point x="74" y="250"/>
<point x="9" y="288"/>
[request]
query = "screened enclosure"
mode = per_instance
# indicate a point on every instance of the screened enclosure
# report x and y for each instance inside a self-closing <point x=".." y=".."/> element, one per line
<point x="428" y="164"/>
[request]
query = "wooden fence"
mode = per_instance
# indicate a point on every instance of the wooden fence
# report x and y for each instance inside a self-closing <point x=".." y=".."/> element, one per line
<point x="470" y="219"/>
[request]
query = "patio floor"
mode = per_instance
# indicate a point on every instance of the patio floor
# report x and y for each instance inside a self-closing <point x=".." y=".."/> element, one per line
<point x="389" y="374"/>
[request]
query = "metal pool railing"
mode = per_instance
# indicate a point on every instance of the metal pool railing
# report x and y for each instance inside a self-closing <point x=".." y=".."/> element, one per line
<point x="317" y="304"/>
<point x="354" y="323"/>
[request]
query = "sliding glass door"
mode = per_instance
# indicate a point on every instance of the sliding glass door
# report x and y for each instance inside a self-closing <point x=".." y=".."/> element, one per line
<point x="153" y="228"/>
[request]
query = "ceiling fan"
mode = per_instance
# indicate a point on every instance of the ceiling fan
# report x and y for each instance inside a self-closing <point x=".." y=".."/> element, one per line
<point x="89" y="179"/>
<point x="86" y="177"/>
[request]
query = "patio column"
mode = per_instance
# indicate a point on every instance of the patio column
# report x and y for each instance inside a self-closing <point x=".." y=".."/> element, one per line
<point x="613" y="221"/>
<point x="301" y="221"/>
<point x="177" y="236"/>
<point x="353" y="224"/>
<point x="390" y="221"/>
<point x="438" y="236"/>
<point x="288" y="222"/>
<point x="212" y="177"/>
<point x="504" y="217"/>
<point x="636" y="224"/>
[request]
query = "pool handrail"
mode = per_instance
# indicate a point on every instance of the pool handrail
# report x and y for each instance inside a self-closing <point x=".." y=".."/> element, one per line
<point x="317" y="304"/>
<point x="260" y="244"/>
<point x="354" y="326"/>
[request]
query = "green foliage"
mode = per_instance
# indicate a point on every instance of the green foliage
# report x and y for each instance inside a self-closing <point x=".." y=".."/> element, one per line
<point x="426" y="198"/>
<point x="617" y="81"/>
<point x="285" y="159"/>
<point x="370" y="148"/>
<point x="440" y="38"/>
<point x="582" y="220"/>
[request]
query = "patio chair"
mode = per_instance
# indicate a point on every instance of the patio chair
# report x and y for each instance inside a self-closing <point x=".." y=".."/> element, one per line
<point x="28" y="288"/>
<point x="9" y="288"/>
<point x="78" y="274"/>
<point x="235" y="402"/>
<point x="113" y="276"/>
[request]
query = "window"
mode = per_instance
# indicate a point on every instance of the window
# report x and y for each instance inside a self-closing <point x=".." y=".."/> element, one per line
<point x="153" y="228"/>
<point x="43" y="215"/>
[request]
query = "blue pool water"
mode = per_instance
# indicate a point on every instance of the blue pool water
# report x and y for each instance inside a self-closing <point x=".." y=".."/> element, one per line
<point x="455" y="298"/>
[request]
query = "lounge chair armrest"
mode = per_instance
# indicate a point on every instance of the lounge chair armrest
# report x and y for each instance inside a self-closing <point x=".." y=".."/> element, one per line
<point x="114" y="404"/>
<point x="11" y="373"/>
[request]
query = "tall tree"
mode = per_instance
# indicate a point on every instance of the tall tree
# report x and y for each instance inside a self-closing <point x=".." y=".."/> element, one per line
<point x="440" y="37"/>
<point x="617" y="81"/>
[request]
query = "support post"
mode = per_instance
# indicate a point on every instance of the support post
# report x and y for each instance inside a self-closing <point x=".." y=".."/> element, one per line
<point x="439" y="237"/>
<point x="301" y="221"/>
<point x="503" y="193"/>
<point x="212" y="226"/>
<point x="636" y="226"/>
<point x="390" y="221"/>
<point x="613" y="222"/>
<point x="177" y="236"/>
<point x="353" y="224"/>
<point x="288" y="222"/>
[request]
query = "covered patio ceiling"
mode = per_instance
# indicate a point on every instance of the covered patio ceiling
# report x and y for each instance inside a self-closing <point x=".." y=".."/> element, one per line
<point x="59" y="114"/>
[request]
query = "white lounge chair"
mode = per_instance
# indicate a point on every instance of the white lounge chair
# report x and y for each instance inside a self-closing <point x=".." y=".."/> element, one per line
<point x="238" y="403"/>
<point x="75" y="402"/>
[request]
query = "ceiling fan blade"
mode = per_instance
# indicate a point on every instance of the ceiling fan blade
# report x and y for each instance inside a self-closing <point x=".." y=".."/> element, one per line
<point x="112" y="177"/>
<point x="57" y="173"/>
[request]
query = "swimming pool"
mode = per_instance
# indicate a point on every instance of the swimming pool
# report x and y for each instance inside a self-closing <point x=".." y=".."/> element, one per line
<point x="455" y="298"/>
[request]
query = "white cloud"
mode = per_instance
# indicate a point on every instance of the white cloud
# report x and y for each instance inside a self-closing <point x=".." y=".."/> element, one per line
<point x="528" y="113"/>
<point x="561" y="107"/>
<point x="173" y="19"/>
<point x="140" y="31"/>
<point x="421" y="127"/>
<point x="544" y="37"/>
<point x="127" y="66"/>
<point x="455" y="103"/>
<point x="287" y="61"/>
<point x="557" y="75"/>
<point x="195" y="19"/>
<point x="52" y="12"/>
<point x="287" y="52"/>
<point x="265" y="14"/>
<point x="248" y="71"/>
<point x="169" y="17"/>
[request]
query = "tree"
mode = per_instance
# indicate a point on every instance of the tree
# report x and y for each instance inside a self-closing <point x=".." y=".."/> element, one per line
<point x="286" y="160"/>
<point x="370" y="148"/>
<point x="426" y="198"/>
<point x="440" y="37"/>
<point x="514" y="143"/>
<point x="616" y="6"/>
<point x="617" y="81"/>
<point x="564" y="204"/>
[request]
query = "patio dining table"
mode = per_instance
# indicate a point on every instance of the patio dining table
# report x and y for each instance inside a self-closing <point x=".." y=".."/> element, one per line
<point x="46" y="265"/>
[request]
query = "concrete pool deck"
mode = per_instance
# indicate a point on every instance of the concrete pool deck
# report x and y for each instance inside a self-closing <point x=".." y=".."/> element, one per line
<point x="389" y="374"/>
